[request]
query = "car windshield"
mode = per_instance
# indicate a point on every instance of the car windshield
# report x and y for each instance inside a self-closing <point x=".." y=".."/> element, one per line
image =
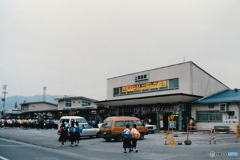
<point x="65" y="120"/>
<point x="81" y="120"/>
<point x="106" y="123"/>
<point x="140" y="123"/>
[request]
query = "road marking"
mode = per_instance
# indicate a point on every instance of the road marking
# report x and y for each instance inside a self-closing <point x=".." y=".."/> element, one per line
<point x="3" y="158"/>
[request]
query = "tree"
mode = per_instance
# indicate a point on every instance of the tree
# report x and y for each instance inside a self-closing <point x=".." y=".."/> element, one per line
<point x="16" y="105"/>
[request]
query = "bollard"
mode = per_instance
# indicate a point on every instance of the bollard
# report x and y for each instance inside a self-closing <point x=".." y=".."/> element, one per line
<point x="166" y="138"/>
<point x="214" y="137"/>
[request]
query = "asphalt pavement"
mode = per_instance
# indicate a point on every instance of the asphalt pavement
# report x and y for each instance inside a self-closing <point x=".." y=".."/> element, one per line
<point x="154" y="146"/>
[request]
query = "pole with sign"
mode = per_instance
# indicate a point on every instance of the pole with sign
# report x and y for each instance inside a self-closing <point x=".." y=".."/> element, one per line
<point x="172" y="125"/>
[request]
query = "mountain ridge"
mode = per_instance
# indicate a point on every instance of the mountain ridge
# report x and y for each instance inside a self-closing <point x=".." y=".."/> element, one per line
<point x="13" y="101"/>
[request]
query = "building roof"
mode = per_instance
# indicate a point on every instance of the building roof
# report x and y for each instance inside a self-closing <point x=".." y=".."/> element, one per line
<point x="37" y="103"/>
<point x="77" y="97"/>
<point x="163" y="99"/>
<point x="227" y="96"/>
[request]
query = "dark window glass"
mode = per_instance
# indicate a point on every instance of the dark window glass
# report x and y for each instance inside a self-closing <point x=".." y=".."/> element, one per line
<point x="209" y="116"/>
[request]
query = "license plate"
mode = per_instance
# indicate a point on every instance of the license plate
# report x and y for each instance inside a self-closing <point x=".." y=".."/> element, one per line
<point x="104" y="132"/>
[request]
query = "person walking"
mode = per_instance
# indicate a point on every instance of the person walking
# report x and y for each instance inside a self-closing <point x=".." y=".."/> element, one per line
<point x="127" y="139"/>
<point x="63" y="134"/>
<point x="192" y="124"/>
<point x="72" y="131"/>
<point x="78" y="133"/>
<point x="135" y="136"/>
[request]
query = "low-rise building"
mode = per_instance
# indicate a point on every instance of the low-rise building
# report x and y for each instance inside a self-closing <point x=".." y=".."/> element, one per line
<point x="38" y="109"/>
<point x="81" y="106"/>
<point x="218" y="110"/>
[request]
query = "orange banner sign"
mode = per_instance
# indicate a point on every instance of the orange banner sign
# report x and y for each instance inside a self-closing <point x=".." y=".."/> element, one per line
<point x="145" y="86"/>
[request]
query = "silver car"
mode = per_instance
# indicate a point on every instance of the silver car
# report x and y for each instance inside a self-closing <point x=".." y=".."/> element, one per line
<point x="89" y="131"/>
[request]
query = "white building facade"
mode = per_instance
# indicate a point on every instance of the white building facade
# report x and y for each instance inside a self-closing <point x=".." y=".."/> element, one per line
<point x="160" y="92"/>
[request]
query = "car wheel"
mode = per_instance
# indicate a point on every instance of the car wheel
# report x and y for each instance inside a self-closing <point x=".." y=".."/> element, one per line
<point x="108" y="139"/>
<point x="118" y="138"/>
<point x="97" y="135"/>
<point x="142" y="137"/>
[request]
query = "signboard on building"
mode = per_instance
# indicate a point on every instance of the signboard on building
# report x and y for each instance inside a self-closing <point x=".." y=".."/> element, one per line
<point x="145" y="86"/>
<point x="230" y="119"/>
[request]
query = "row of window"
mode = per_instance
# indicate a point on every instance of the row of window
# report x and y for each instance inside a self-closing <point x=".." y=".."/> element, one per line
<point x="68" y="103"/>
<point x="121" y="123"/>
<point x="173" y="84"/>
<point x="209" y="116"/>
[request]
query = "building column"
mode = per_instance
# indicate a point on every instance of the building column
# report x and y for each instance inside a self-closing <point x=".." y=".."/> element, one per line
<point x="180" y="118"/>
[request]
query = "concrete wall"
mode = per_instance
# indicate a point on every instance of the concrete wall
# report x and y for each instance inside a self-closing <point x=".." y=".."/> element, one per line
<point x="204" y="84"/>
<point x="41" y="106"/>
<point x="176" y="71"/>
<point x="205" y="125"/>
<point x="192" y="80"/>
<point x="76" y="103"/>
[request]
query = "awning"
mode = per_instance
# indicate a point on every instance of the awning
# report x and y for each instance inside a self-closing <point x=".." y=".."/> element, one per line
<point x="157" y="99"/>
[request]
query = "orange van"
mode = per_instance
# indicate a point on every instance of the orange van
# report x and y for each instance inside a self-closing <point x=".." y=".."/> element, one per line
<point x="112" y="127"/>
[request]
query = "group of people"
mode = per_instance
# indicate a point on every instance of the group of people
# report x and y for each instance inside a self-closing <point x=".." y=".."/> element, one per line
<point x="38" y="123"/>
<point x="130" y="138"/>
<point x="70" y="133"/>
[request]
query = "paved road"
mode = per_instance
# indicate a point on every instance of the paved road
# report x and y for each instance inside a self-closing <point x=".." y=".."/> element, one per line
<point x="152" y="147"/>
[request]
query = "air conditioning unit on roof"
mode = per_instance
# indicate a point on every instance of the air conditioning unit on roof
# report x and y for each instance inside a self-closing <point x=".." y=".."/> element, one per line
<point x="223" y="107"/>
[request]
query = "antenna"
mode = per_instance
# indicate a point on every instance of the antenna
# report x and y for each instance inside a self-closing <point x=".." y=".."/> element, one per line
<point x="184" y="59"/>
<point x="4" y="100"/>
<point x="44" y="93"/>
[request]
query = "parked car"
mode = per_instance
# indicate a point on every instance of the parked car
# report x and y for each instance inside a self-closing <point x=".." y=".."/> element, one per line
<point x="68" y="120"/>
<point x="112" y="127"/>
<point x="89" y="131"/>
<point x="151" y="128"/>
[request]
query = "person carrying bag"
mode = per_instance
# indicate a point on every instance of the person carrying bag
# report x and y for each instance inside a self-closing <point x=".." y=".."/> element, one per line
<point x="135" y="136"/>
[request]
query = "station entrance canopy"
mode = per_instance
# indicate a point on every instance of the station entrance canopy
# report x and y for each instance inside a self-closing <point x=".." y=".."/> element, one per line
<point x="157" y="99"/>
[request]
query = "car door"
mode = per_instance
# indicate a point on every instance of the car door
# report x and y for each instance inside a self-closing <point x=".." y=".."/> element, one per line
<point x="90" y="130"/>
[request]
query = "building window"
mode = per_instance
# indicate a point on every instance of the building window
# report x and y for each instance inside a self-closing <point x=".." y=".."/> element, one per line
<point x="25" y="108"/>
<point x="173" y="83"/>
<point x="116" y="91"/>
<point x="68" y="103"/>
<point x="209" y="116"/>
<point x="85" y="103"/>
<point x="211" y="106"/>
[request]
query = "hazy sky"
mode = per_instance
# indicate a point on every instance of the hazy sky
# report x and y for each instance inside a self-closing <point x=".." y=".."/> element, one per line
<point x="73" y="46"/>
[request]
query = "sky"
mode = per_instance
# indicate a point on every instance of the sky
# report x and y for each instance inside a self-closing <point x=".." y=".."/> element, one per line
<point x="72" y="47"/>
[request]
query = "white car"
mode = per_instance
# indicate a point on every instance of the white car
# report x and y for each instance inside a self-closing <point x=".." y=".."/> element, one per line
<point x="89" y="131"/>
<point x="151" y="127"/>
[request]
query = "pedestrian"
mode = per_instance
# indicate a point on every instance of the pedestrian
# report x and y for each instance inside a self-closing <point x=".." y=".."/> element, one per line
<point x="63" y="134"/>
<point x="72" y="131"/>
<point x="135" y="136"/>
<point x="127" y="139"/>
<point x="192" y="123"/>
<point x="78" y="133"/>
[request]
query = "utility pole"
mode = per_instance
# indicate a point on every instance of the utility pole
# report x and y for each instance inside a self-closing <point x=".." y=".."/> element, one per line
<point x="44" y="94"/>
<point x="4" y="100"/>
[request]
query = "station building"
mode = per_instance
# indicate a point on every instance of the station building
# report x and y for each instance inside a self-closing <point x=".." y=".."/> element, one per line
<point x="153" y="95"/>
